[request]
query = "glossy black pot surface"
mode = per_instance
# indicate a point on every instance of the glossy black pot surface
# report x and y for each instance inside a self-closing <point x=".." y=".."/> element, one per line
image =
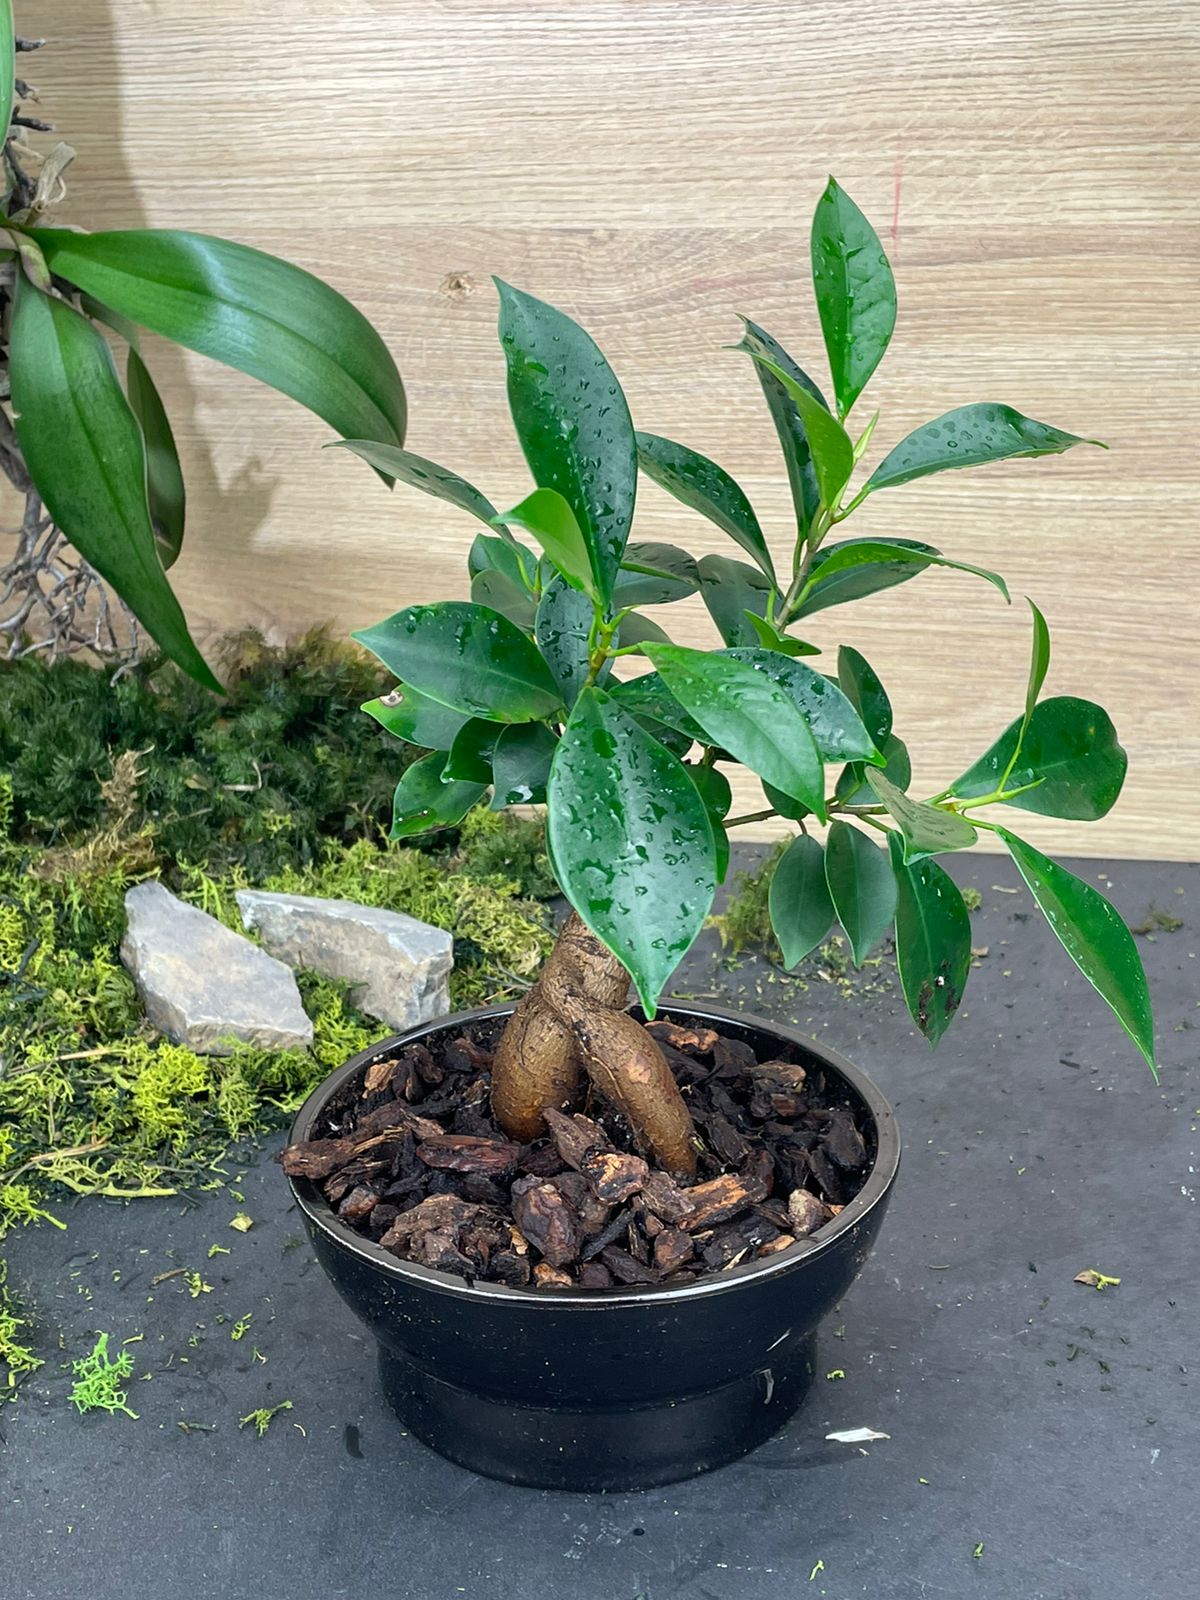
<point x="612" y="1389"/>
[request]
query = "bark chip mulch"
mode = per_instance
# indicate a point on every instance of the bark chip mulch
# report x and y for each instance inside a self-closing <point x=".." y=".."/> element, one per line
<point x="411" y="1158"/>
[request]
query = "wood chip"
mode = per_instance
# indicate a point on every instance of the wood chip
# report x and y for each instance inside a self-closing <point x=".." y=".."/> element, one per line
<point x="547" y="1277"/>
<point x="461" y="1152"/>
<point x="626" y="1268"/>
<point x="672" y="1247"/>
<point x="546" y="1219"/>
<point x="720" y="1199"/>
<point x="379" y="1076"/>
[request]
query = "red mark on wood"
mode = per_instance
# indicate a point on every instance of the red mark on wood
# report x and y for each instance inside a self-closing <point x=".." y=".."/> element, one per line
<point x="898" y="179"/>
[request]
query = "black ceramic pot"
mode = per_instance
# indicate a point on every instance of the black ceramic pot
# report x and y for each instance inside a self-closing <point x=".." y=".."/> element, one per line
<point x="613" y="1389"/>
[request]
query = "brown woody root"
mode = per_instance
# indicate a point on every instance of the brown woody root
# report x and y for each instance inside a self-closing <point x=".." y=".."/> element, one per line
<point x="573" y="1022"/>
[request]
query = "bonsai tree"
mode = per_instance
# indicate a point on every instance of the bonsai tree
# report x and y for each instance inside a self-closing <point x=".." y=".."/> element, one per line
<point x="96" y="461"/>
<point x="522" y="693"/>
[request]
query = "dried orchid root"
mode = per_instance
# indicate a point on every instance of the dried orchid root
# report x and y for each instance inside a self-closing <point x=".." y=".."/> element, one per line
<point x="572" y="1024"/>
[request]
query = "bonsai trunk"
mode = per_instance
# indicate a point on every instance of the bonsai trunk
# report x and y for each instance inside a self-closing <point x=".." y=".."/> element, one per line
<point x="573" y="1025"/>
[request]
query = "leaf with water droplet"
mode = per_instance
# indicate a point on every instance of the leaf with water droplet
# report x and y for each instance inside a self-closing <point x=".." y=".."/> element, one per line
<point x="423" y="801"/>
<point x="467" y="657"/>
<point x="654" y="574"/>
<point x="573" y="423"/>
<point x="888" y="561"/>
<point x="549" y="518"/>
<point x="1070" y="750"/>
<point x="521" y="764"/>
<point x="789" y="425"/>
<point x="1091" y="931"/>
<point x="933" y="941"/>
<point x="416" y="719"/>
<point x="630" y="839"/>
<point x="835" y="725"/>
<point x="855" y="290"/>
<point x="928" y="830"/>
<point x="743" y="711"/>
<point x="730" y="590"/>
<point x="969" y="436"/>
<point x="697" y="482"/>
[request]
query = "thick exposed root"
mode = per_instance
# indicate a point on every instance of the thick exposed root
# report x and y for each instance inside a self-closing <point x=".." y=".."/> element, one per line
<point x="573" y="1022"/>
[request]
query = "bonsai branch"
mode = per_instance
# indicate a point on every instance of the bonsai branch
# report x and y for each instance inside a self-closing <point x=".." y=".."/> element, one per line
<point x="572" y="1026"/>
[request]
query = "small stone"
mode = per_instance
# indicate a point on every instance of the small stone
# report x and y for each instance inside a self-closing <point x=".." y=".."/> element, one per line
<point x="205" y="986"/>
<point x="400" y="967"/>
<point x="806" y="1213"/>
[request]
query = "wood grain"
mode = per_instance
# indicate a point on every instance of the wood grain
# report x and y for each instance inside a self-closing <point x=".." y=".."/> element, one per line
<point x="652" y="167"/>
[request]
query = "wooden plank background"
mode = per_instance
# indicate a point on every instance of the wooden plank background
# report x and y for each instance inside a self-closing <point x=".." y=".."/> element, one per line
<point x="651" y="167"/>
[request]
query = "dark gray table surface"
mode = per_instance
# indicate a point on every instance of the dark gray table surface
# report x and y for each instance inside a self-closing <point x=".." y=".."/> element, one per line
<point x="1052" y="1428"/>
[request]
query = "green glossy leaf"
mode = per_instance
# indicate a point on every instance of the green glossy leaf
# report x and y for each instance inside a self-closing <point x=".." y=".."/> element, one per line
<point x="730" y="590"/>
<point x="1039" y="659"/>
<point x="852" y="787"/>
<point x="786" y="806"/>
<point x="549" y="518"/>
<point x="744" y="711"/>
<point x="572" y="421"/>
<point x="862" y="887"/>
<point x="424" y="802"/>
<point x="85" y="453"/>
<point x="856" y="293"/>
<point x="490" y="553"/>
<point x="654" y="574"/>
<point x="1070" y="746"/>
<point x="705" y="487"/>
<point x="861" y="686"/>
<point x="648" y="696"/>
<point x="630" y="840"/>
<point x="798" y="900"/>
<point x="469" y="759"/>
<point x="789" y="425"/>
<point x="1091" y="931"/>
<point x="891" y="553"/>
<point x="414" y="470"/>
<point x="969" y="436"/>
<point x="248" y="310"/>
<point x="8" y="67"/>
<point x="636" y="629"/>
<point x="833" y="722"/>
<point x="718" y="797"/>
<point x="854" y="582"/>
<point x="417" y="720"/>
<point x="521" y="765"/>
<point x="165" y="493"/>
<point x="927" y="830"/>
<point x="771" y="638"/>
<point x="933" y="941"/>
<point x="468" y="657"/>
<point x="562" y="628"/>
<point x="831" y="446"/>
<point x="498" y="592"/>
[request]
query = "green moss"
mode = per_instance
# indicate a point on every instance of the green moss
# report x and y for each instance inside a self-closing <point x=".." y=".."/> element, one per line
<point x="93" y="1102"/>
<point x="264" y="776"/>
<point x="17" y="1359"/>
<point x="100" y="1380"/>
<point x="745" y="923"/>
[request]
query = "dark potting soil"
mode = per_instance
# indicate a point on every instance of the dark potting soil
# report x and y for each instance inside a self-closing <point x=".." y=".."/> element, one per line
<point x="410" y="1157"/>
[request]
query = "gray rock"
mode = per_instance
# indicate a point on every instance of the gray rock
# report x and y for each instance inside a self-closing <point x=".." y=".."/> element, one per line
<point x="204" y="985"/>
<point x="400" y="967"/>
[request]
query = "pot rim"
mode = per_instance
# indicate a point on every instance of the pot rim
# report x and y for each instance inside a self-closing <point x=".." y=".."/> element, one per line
<point x="321" y="1215"/>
